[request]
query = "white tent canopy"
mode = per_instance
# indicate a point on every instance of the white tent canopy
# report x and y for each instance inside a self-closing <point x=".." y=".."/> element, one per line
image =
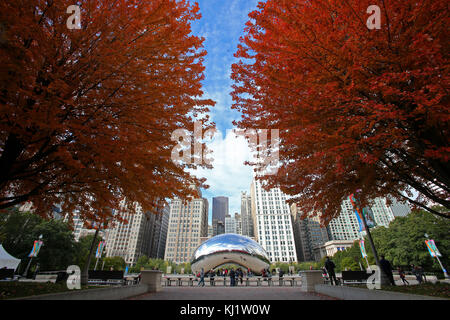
<point x="7" y="260"/>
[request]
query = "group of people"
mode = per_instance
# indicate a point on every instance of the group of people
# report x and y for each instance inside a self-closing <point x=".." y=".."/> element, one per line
<point x="235" y="276"/>
<point x="386" y="268"/>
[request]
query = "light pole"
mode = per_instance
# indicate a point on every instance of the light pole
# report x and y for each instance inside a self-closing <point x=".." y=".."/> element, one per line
<point x="383" y="277"/>
<point x="85" y="272"/>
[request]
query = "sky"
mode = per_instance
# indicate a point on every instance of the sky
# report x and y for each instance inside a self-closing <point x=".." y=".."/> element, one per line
<point x="222" y="24"/>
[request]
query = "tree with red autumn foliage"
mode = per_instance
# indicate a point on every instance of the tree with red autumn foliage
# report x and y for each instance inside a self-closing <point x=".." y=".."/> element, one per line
<point x="356" y="108"/>
<point x="86" y="115"/>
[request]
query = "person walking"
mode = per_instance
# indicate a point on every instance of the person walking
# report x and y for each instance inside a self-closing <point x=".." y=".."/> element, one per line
<point x="202" y="278"/>
<point x="329" y="267"/>
<point x="241" y="276"/>
<point x="232" y="278"/>
<point x="402" y="276"/>
<point x="387" y="269"/>
<point x="422" y="274"/>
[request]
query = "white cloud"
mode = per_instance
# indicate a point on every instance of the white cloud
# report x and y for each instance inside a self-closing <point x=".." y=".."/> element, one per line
<point x="229" y="176"/>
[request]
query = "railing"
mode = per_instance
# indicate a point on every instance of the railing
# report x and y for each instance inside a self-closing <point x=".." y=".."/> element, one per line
<point x="190" y="281"/>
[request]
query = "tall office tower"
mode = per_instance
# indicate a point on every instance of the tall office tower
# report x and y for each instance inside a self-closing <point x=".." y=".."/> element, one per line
<point x="238" y="219"/>
<point x="219" y="211"/>
<point x="346" y="227"/>
<point x="134" y="239"/>
<point x="246" y="215"/>
<point x="272" y="223"/>
<point x="159" y="226"/>
<point x="187" y="224"/>
<point x="308" y="234"/>
<point x="230" y="224"/>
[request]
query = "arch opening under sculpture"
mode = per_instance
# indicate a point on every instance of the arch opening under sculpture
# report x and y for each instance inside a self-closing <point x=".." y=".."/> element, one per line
<point x="230" y="249"/>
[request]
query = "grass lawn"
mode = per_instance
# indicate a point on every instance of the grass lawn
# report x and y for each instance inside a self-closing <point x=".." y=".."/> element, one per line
<point x="15" y="289"/>
<point x="441" y="290"/>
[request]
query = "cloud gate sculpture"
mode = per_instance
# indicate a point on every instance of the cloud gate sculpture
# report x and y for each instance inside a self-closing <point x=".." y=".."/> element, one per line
<point x="230" y="248"/>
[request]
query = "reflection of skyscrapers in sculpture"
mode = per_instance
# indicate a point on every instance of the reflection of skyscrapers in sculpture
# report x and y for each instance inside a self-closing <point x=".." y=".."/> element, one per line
<point x="219" y="211"/>
<point x="246" y="215"/>
<point x="272" y="223"/>
<point x="188" y="223"/>
<point x="308" y="234"/>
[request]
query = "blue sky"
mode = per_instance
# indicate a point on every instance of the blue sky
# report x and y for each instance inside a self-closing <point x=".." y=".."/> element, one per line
<point x="222" y="25"/>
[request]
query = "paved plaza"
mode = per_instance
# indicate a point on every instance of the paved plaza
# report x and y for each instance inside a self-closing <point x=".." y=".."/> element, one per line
<point x="232" y="294"/>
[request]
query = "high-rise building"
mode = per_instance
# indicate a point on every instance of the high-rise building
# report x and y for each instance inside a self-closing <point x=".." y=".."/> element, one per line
<point x="188" y="223"/>
<point x="272" y="223"/>
<point x="400" y="209"/>
<point x="346" y="227"/>
<point x="219" y="211"/>
<point x="230" y="224"/>
<point x="210" y="231"/>
<point x="160" y="225"/>
<point x="308" y="234"/>
<point x="246" y="215"/>
<point x="144" y="234"/>
<point x="238" y="220"/>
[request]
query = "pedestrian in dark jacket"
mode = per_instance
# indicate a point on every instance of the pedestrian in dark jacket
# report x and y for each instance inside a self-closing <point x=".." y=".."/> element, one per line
<point x="232" y="278"/>
<point x="330" y="266"/>
<point x="387" y="269"/>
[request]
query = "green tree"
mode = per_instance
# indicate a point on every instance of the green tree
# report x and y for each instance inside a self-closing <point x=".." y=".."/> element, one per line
<point x="83" y="246"/>
<point x="116" y="263"/>
<point x="403" y="243"/>
<point x="19" y="230"/>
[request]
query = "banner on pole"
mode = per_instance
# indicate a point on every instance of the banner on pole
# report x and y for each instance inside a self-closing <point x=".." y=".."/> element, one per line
<point x="370" y="219"/>
<point x="363" y="249"/>
<point x="36" y="247"/>
<point x="100" y="248"/>
<point x="434" y="252"/>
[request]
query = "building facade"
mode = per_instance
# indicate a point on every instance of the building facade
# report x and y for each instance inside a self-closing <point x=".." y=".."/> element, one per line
<point x="143" y="233"/>
<point x="246" y="215"/>
<point x="238" y="221"/>
<point x="230" y="224"/>
<point x="308" y="234"/>
<point x="219" y="212"/>
<point x="272" y="223"/>
<point x="188" y="223"/>
<point x="346" y="226"/>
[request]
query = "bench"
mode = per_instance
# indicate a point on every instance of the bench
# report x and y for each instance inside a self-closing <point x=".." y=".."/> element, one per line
<point x="6" y="274"/>
<point x="46" y="278"/>
<point x="354" y="277"/>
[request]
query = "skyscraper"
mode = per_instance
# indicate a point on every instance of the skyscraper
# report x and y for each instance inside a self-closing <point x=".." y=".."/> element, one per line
<point x="246" y="215"/>
<point x="144" y="234"/>
<point x="272" y="223"/>
<point x="308" y="234"/>
<point x="238" y="220"/>
<point x="219" y="211"/>
<point x="346" y="227"/>
<point x="188" y="223"/>
<point x="230" y="224"/>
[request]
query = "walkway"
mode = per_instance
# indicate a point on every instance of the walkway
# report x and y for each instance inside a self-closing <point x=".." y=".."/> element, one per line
<point x="232" y="294"/>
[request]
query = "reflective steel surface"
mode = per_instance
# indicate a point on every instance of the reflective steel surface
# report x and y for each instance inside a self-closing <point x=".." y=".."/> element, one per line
<point x="230" y="248"/>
